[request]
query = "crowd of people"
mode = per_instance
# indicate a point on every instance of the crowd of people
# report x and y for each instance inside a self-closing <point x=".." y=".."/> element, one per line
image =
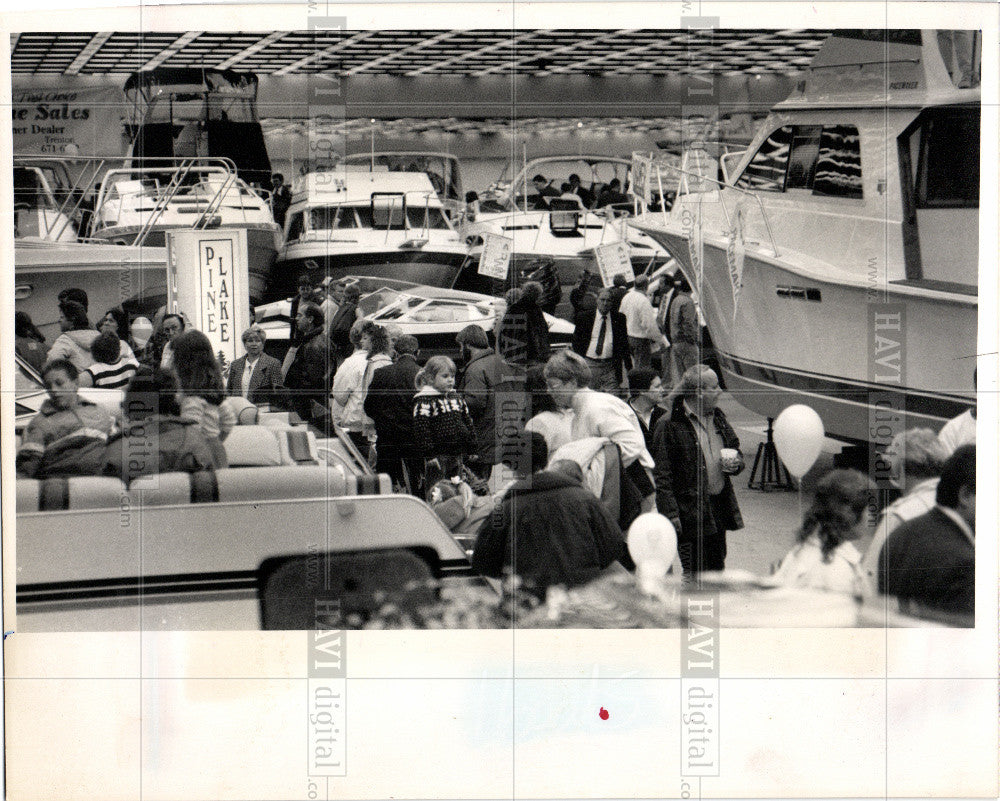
<point x="567" y="447"/>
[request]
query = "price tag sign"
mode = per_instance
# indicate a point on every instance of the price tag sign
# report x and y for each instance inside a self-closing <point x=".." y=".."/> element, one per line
<point x="613" y="259"/>
<point x="640" y="185"/>
<point x="495" y="260"/>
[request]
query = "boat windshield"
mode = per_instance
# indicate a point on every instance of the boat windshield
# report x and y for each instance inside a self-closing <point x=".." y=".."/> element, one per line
<point x="594" y="175"/>
<point x="329" y="218"/>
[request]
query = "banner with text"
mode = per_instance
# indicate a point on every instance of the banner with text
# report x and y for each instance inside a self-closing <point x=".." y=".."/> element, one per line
<point x="613" y="259"/>
<point x="207" y="281"/>
<point x="495" y="261"/>
<point x="68" y="122"/>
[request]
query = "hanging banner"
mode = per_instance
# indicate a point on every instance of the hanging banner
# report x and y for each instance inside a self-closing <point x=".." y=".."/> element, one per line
<point x="495" y="260"/>
<point x="85" y="121"/>
<point x="735" y="254"/>
<point x="613" y="259"/>
<point x="207" y="282"/>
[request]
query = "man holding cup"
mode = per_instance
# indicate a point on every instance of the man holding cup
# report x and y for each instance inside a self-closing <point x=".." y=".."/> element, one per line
<point x="696" y="451"/>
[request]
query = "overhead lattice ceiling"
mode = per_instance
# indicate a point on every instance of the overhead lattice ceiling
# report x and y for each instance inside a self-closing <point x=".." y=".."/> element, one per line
<point x="423" y="52"/>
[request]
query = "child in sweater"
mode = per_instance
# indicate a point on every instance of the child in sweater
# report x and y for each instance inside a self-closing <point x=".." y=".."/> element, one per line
<point x="443" y="430"/>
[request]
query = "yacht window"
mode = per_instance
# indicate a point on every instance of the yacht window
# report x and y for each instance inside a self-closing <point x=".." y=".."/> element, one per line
<point x="802" y="160"/>
<point x="824" y="159"/>
<point x="838" y="166"/>
<point x="948" y="170"/>
<point x="434" y="218"/>
<point x="766" y="170"/>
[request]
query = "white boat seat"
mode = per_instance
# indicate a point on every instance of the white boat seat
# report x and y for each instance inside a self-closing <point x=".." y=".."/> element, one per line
<point x="297" y="445"/>
<point x="244" y="411"/>
<point x="74" y="492"/>
<point x="252" y="446"/>
<point x="163" y="489"/>
<point x="274" y="483"/>
<point x="28" y="492"/>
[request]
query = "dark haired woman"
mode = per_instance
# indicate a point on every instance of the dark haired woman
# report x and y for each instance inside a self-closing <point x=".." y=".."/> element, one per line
<point x="824" y="557"/>
<point x="202" y="390"/>
<point x="116" y="320"/>
<point x="73" y="344"/>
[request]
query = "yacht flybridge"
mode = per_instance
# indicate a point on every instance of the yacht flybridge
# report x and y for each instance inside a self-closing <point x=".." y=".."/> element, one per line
<point x="356" y="221"/>
<point x="837" y="258"/>
<point x="565" y="229"/>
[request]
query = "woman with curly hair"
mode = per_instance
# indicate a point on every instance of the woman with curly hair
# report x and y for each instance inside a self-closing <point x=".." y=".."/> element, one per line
<point x="202" y="390"/>
<point x="824" y="557"/>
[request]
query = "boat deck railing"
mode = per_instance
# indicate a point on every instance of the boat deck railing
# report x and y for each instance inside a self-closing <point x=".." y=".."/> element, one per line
<point x="85" y="186"/>
<point x="720" y="185"/>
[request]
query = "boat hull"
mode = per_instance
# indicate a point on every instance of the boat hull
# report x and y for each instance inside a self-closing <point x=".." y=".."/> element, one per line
<point x="110" y="274"/>
<point x="262" y="250"/>
<point x="437" y="268"/>
<point x="796" y="339"/>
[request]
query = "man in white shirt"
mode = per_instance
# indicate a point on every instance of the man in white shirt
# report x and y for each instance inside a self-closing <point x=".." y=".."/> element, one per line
<point x="960" y="430"/>
<point x="600" y="337"/>
<point x="640" y="323"/>
<point x="599" y="414"/>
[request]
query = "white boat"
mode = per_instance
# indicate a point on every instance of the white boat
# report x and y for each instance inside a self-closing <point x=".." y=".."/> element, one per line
<point x="139" y="203"/>
<point x="50" y="210"/>
<point x="562" y="229"/>
<point x="353" y="221"/>
<point x="837" y="261"/>
<point x="442" y="169"/>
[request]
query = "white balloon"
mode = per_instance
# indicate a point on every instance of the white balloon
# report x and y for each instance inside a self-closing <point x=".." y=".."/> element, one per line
<point x="798" y="436"/>
<point x="652" y="543"/>
<point x="141" y="330"/>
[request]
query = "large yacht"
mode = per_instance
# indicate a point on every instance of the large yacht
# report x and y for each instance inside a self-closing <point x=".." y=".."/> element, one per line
<point x="837" y="258"/>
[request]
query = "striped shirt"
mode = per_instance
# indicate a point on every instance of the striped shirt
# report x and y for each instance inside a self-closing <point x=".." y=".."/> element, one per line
<point x="112" y="376"/>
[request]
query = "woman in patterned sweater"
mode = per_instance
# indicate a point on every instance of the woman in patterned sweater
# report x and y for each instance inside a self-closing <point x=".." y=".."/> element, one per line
<point x="442" y="425"/>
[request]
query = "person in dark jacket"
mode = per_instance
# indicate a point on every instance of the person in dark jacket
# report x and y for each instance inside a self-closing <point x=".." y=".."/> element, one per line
<point x="443" y="431"/>
<point x="307" y="294"/>
<point x="608" y="356"/>
<point x="547" y="276"/>
<point x="929" y="562"/>
<point x="692" y="481"/>
<point x="308" y="377"/>
<point x="29" y="344"/>
<point x="340" y="326"/>
<point x="645" y="389"/>
<point x="156" y="439"/>
<point x="549" y="530"/>
<point x="493" y="389"/>
<point x="389" y="403"/>
<point x="581" y="297"/>
<point x="524" y="334"/>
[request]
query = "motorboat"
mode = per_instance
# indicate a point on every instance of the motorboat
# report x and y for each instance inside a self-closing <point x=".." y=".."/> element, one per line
<point x="101" y="223"/>
<point x="356" y="221"/>
<point x="561" y="227"/>
<point x="52" y="209"/>
<point x="433" y="315"/>
<point x="836" y="260"/>
<point x="442" y="169"/>
<point x="139" y="202"/>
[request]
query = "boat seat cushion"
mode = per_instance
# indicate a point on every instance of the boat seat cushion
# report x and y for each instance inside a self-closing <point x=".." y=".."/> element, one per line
<point x="276" y="483"/>
<point x="244" y="411"/>
<point x="297" y="445"/>
<point x="28" y="492"/>
<point x="252" y="446"/>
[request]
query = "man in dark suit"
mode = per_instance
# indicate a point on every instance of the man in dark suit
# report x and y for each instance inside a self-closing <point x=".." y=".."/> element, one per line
<point x="930" y="561"/>
<point x="256" y="376"/>
<point x="389" y="403"/>
<point x="310" y="373"/>
<point x="602" y="339"/>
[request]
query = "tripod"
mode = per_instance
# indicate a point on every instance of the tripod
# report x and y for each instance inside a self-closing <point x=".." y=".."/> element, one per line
<point x="773" y="475"/>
